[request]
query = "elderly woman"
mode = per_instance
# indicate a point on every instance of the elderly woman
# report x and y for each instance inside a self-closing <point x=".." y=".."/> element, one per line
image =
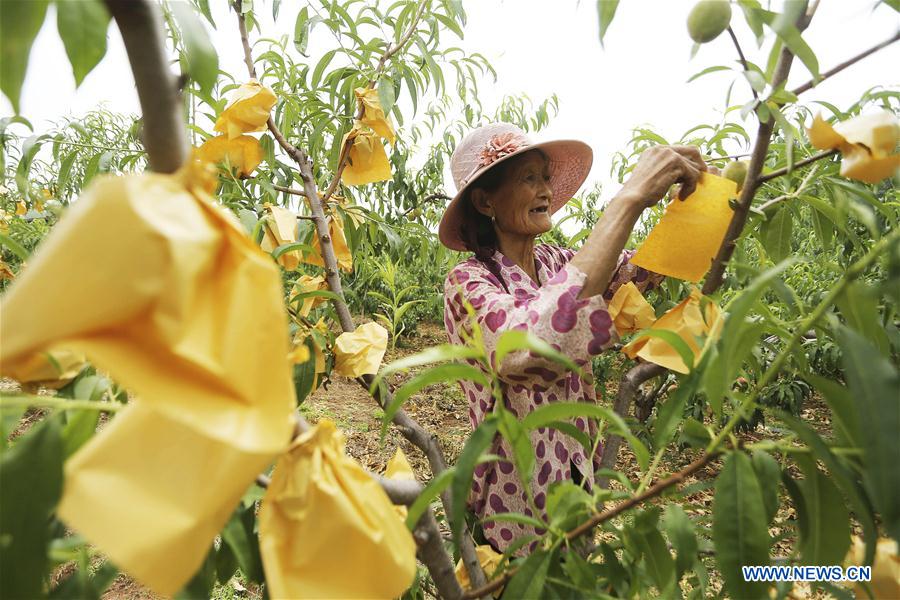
<point x="508" y="189"/>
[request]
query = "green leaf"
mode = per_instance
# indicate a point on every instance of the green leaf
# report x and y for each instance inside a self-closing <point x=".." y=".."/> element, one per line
<point x="707" y="71"/>
<point x="777" y="236"/>
<point x="606" y="10"/>
<point x="477" y="443"/>
<point x="843" y="410"/>
<point x="30" y="485"/>
<point x="828" y="534"/>
<point x="567" y="505"/>
<point x="656" y="557"/>
<point x="239" y="536"/>
<point x="529" y="580"/>
<point x="301" y="31"/>
<point x="523" y="453"/>
<point x="739" y="526"/>
<point x="30" y="148"/>
<point x="226" y="563"/>
<point x="304" y="374"/>
<point x="82" y="25"/>
<point x="516" y="339"/>
<point x="670" y="413"/>
<point x="859" y="306"/>
<point x="874" y="382"/>
<point x="14" y="246"/>
<point x="448" y="373"/>
<point x="435" y="487"/>
<point x="789" y="34"/>
<point x="768" y="473"/>
<point x="386" y="94"/>
<point x="65" y="168"/>
<point x="444" y="352"/>
<point x="85" y="586"/>
<point x="516" y="518"/>
<point x="203" y="62"/>
<point x="201" y="584"/>
<point x="79" y="429"/>
<point x="20" y="20"/>
<point x="681" y="534"/>
<point x="843" y="478"/>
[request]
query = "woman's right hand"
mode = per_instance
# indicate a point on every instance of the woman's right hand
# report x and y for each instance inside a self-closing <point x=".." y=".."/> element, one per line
<point x="660" y="167"/>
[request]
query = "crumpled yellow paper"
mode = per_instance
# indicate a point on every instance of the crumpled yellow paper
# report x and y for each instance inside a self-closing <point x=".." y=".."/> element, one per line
<point x="488" y="558"/>
<point x="373" y="113"/>
<point x="247" y="111"/>
<point x="360" y="352"/>
<point x="279" y="230"/>
<point x="52" y="369"/>
<point x="368" y="161"/>
<point x="629" y="310"/>
<point x="687" y="238"/>
<point x="866" y="143"/>
<point x="398" y="468"/>
<point x="885" y="567"/>
<point x="243" y="152"/>
<point x="327" y="529"/>
<point x="179" y="306"/>
<point x="686" y="320"/>
<point x="338" y="243"/>
<point x="309" y="283"/>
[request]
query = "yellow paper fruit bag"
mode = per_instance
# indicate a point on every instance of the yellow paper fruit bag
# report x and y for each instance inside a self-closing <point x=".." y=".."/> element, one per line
<point x="338" y="243"/>
<point x="686" y="320"/>
<point x="866" y="143"/>
<point x="279" y="230"/>
<point x="248" y="110"/>
<point x="162" y="290"/>
<point x="52" y="369"/>
<point x="327" y="529"/>
<point x="242" y="153"/>
<point x="368" y="161"/>
<point x="629" y="310"/>
<point x="687" y="238"/>
<point x="488" y="558"/>
<point x="360" y="352"/>
<point x="885" y="581"/>
<point x="373" y="113"/>
<point x="308" y="283"/>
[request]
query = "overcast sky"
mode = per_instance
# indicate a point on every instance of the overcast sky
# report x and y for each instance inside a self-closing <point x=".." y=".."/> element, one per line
<point x="538" y="48"/>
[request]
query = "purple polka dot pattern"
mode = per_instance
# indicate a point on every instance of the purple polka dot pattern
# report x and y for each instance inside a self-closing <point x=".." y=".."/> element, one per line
<point x="551" y="310"/>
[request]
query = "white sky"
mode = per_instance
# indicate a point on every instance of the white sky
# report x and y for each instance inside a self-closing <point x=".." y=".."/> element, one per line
<point x="539" y="48"/>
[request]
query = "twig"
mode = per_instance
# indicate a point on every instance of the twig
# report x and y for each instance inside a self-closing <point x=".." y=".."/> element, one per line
<point x="288" y="190"/>
<point x="831" y="72"/>
<point x="598" y="518"/>
<point x="740" y="52"/>
<point x="164" y="133"/>
<point x="800" y="163"/>
<point x="408" y="427"/>
<point x="28" y="400"/>
<point x="391" y="51"/>
<point x="751" y="183"/>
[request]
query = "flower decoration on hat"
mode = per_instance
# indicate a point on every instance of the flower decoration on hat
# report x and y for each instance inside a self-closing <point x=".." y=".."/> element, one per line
<point x="499" y="146"/>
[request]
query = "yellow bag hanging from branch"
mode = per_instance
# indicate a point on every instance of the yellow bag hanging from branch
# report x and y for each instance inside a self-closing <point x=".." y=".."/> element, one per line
<point x="885" y="581"/>
<point x="360" y="352"/>
<point x="242" y="153"/>
<point x="327" y="529"/>
<point x="338" y="243"/>
<point x="368" y="161"/>
<point x="689" y="322"/>
<point x="687" y="238"/>
<point x="52" y="369"/>
<point x="629" y="310"/>
<point x="179" y="306"/>
<point x="866" y="143"/>
<point x="488" y="558"/>
<point x="248" y="110"/>
<point x="307" y="283"/>
<point x="373" y="113"/>
<point x="280" y="230"/>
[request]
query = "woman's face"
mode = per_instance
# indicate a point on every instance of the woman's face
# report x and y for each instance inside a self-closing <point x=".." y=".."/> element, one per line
<point x="521" y="205"/>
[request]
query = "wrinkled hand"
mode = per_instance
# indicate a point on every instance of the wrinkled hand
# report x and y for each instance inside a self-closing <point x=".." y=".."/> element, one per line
<point x="659" y="168"/>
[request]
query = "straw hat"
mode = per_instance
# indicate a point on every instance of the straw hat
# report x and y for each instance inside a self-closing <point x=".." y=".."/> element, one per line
<point x="487" y="146"/>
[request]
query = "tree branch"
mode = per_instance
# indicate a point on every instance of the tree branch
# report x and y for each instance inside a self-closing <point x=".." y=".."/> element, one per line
<point x="288" y="190"/>
<point x="391" y="51"/>
<point x="408" y="427"/>
<point x="740" y="52"/>
<point x="598" y="518"/>
<point x="800" y="163"/>
<point x="831" y="72"/>
<point x="164" y="133"/>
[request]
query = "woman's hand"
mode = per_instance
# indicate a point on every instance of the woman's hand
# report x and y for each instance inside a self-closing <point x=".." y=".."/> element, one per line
<point x="660" y="167"/>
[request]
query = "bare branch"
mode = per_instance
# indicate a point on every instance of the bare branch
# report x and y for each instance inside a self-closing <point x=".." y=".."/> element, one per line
<point x="831" y="72"/>
<point x="800" y="163"/>
<point x="164" y="133"/>
<point x="288" y="190"/>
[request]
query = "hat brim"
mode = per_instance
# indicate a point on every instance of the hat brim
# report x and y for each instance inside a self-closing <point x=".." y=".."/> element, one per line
<point x="569" y="164"/>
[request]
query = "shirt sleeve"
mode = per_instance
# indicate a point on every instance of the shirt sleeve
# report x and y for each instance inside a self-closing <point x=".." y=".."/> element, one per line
<point x="625" y="271"/>
<point x="578" y="328"/>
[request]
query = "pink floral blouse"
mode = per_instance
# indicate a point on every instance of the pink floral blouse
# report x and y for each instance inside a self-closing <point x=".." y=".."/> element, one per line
<point x="580" y="329"/>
